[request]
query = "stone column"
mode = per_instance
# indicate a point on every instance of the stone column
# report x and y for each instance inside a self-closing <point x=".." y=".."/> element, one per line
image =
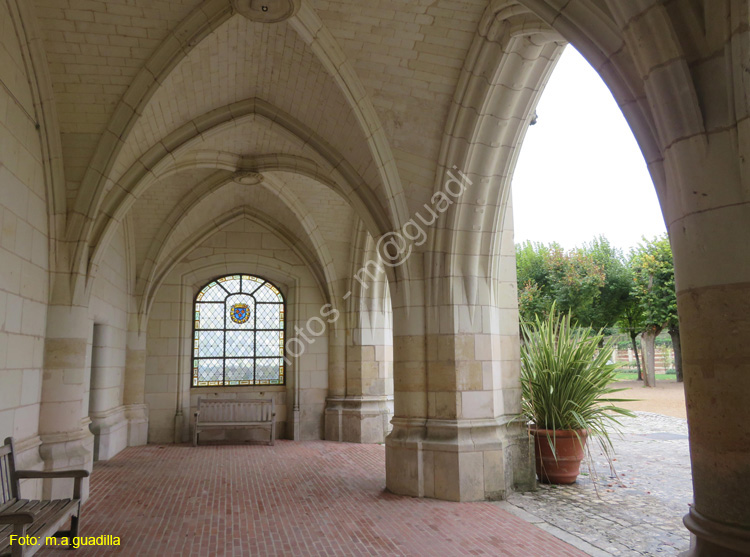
<point x="108" y="421"/>
<point x="136" y="410"/>
<point x="67" y="442"/>
<point x="457" y="435"/>
<point x="404" y="456"/>
<point x="369" y="377"/>
<point x="709" y="240"/>
<point x="336" y="382"/>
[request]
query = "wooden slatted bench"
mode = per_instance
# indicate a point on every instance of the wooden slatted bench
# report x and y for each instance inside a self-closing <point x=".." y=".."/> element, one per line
<point x="234" y="414"/>
<point x="24" y="517"/>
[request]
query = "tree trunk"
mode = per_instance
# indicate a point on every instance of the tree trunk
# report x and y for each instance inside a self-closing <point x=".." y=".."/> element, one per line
<point x="637" y="359"/>
<point x="649" y="357"/>
<point x="674" y="332"/>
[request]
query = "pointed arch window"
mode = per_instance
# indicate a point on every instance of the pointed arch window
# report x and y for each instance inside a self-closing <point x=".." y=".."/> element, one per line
<point x="238" y="333"/>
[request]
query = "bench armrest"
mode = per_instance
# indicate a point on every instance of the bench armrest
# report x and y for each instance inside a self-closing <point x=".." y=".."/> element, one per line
<point x="16" y="518"/>
<point x="77" y="476"/>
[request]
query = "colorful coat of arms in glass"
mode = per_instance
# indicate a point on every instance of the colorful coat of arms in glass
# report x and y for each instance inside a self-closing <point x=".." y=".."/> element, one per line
<point x="239" y="313"/>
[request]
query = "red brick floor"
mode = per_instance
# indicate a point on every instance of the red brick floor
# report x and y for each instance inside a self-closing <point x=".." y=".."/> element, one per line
<point x="296" y="498"/>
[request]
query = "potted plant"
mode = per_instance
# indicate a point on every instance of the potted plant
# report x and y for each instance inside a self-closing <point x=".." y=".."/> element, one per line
<point x="565" y="378"/>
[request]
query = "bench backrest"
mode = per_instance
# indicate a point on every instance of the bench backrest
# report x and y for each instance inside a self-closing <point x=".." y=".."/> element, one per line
<point x="8" y="482"/>
<point x="217" y="410"/>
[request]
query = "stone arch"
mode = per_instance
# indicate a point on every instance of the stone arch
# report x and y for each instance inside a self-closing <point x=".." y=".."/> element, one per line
<point x="222" y="221"/>
<point x="45" y="112"/>
<point x="175" y="47"/>
<point x="509" y="62"/>
<point x="160" y="157"/>
<point x="154" y="265"/>
<point x="485" y="145"/>
<point x="469" y="290"/>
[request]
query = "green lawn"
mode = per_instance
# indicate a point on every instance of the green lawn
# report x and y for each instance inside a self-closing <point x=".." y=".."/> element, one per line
<point x="627" y="376"/>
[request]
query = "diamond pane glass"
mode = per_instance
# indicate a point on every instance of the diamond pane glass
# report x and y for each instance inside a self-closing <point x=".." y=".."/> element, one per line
<point x="268" y="370"/>
<point x="209" y="344"/>
<point x="231" y="283"/>
<point x="239" y="333"/>
<point x="251" y="284"/>
<point x="210" y="371"/>
<point x="211" y="293"/>
<point x="267" y="293"/>
<point x="209" y="316"/>
<point x="268" y="316"/>
<point x="238" y="370"/>
<point x="267" y="343"/>
<point x="240" y="343"/>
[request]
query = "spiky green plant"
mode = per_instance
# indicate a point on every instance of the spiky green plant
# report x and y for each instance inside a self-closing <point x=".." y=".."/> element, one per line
<point x="565" y="378"/>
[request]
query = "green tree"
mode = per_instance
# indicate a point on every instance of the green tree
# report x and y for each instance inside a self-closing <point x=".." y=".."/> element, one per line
<point x="653" y="287"/>
<point x="631" y="321"/>
<point x="592" y="283"/>
<point x="615" y="292"/>
<point x="549" y="274"/>
<point x="533" y="271"/>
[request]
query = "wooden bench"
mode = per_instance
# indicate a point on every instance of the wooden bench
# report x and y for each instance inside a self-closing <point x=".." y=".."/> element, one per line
<point x="235" y="414"/>
<point x="24" y="517"/>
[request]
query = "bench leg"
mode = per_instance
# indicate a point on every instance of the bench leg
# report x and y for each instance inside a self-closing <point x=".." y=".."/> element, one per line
<point x="17" y="549"/>
<point x="273" y="432"/>
<point x="195" y="437"/>
<point x="74" y="524"/>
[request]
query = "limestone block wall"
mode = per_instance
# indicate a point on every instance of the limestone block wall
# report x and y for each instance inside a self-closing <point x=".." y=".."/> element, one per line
<point x="24" y="267"/>
<point x="242" y="247"/>
<point x="108" y="310"/>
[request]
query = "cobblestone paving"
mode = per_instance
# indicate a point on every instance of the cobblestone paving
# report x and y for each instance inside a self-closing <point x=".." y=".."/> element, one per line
<point x="637" y="512"/>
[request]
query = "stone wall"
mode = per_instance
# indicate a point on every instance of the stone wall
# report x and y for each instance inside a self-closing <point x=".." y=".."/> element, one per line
<point x="24" y="253"/>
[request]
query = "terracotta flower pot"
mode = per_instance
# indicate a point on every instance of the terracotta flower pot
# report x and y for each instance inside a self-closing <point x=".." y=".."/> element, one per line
<point x="569" y="450"/>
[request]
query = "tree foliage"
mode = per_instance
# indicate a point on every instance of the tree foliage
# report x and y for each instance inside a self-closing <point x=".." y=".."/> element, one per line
<point x="591" y="283"/>
<point x="653" y="283"/>
<point x="654" y="288"/>
<point x="602" y="289"/>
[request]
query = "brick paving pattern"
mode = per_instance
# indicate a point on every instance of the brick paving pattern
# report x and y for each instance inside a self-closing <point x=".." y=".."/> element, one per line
<point x="641" y="512"/>
<point x="296" y="498"/>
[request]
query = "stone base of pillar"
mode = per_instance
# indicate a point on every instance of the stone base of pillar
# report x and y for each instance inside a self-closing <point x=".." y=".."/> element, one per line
<point x="457" y="460"/>
<point x="71" y="450"/>
<point x="358" y="419"/>
<point x="333" y="414"/>
<point x="182" y="430"/>
<point x="714" y="538"/>
<point x="27" y="458"/>
<point x="296" y="426"/>
<point x="137" y="416"/>
<point x="110" y="429"/>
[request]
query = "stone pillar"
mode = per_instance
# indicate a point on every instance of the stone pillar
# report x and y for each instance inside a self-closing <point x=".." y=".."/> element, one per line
<point x="711" y="255"/>
<point x="67" y="442"/>
<point x="369" y="381"/>
<point x="358" y="409"/>
<point x="404" y="455"/>
<point x="108" y="421"/>
<point x="457" y="435"/>
<point x="136" y="410"/>
<point x="336" y="383"/>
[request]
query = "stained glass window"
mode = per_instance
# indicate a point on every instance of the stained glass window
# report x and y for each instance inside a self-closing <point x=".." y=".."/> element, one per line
<point x="238" y="333"/>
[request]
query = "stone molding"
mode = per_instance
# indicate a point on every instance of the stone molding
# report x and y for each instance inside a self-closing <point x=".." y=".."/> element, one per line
<point x="715" y="538"/>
